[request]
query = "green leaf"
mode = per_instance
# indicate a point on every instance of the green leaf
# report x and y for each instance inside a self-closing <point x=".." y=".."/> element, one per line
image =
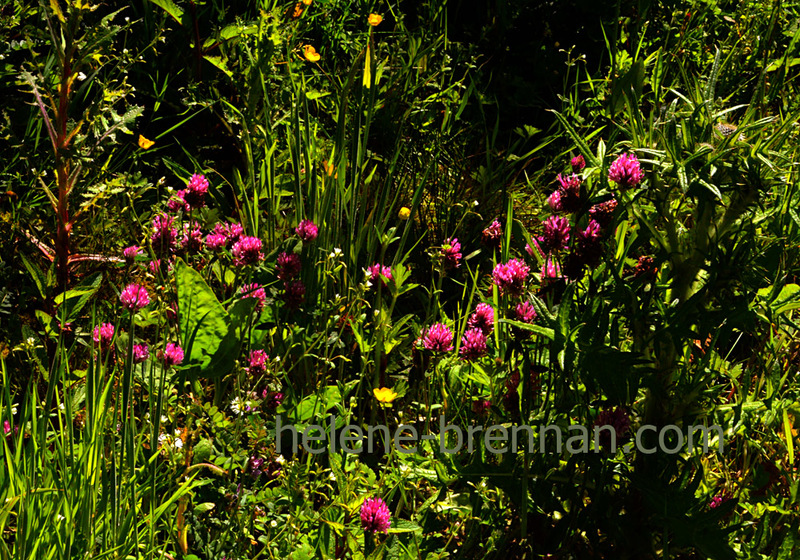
<point x="544" y="331"/>
<point x="204" y="507"/>
<point x="211" y="335"/>
<point x="220" y="64"/>
<point x="37" y="275"/>
<point x="169" y="7"/>
<point x="313" y="406"/>
<point x="404" y="526"/>
<point x="591" y="160"/>
<point x="76" y="298"/>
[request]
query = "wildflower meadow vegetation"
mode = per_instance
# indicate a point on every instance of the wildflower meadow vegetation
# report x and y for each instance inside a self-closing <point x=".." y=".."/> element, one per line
<point x="266" y="264"/>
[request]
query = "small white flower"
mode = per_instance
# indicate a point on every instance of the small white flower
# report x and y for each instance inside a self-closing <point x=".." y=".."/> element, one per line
<point x="178" y="443"/>
<point x="475" y="203"/>
<point x="332" y="476"/>
<point x="273" y="523"/>
<point x="13" y="409"/>
<point x="280" y="460"/>
<point x="237" y="406"/>
<point x="127" y="19"/>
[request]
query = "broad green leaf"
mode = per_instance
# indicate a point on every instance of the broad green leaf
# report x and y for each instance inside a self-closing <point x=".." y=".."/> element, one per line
<point x="211" y="337"/>
<point x="169" y="7"/>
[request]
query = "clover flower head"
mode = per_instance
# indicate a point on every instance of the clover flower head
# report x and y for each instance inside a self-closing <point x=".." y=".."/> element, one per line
<point x="178" y="202"/>
<point x="603" y="212"/>
<point x="556" y="234"/>
<point x="510" y="277"/>
<point x="258" y="362"/>
<point x="103" y="334"/>
<point x="246" y="251"/>
<point x="294" y="294"/>
<point x="451" y="251"/>
<point x="164" y="234"/>
<point x="134" y="297"/>
<point x="140" y="353"/>
<point x="577" y="163"/>
<point x="254" y="290"/>
<point x="492" y="236"/>
<point x="192" y="240"/>
<point x="375" y="516"/>
<point x="554" y="201"/>
<point x="617" y="419"/>
<point x="473" y="345"/>
<point x="438" y="338"/>
<point x="626" y="171"/>
<point x="196" y="190"/>
<point x="551" y="271"/>
<point x="215" y="241"/>
<point x="288" y="266"/>
<point x="482" y="318"/>
<point x="307" y="231"/>
<point x="569" y="190"/>
<point x="130" y="253"/>
<point x="379" y="272"/>
<point x="172" y="354"/>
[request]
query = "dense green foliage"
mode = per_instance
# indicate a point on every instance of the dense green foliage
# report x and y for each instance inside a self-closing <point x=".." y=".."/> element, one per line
<point x="461" y="213"/>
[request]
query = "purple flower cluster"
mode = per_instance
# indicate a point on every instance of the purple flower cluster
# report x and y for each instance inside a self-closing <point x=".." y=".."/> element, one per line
<point x="379" y="272"/>
<point x="130" y="253"/>
<point x="556" y="234"/>
<point x="164" y="234"/>
<point x="223" y="236"/>
<point x="140" y="353"/>
<point x="603" y="212"/>
<point x="134" y="297"/>
<point x="577" y="163"/>
<point x="172" y="354"/>
<point x="567" y="197"/>
<point x="451" y="251"/>
<point x="492" y="236"/>
<point x="192" y="240"/>
<point x="626" y="171"/>
<point x="375" y="516"/>
<point x="254" y="290"/>
<point x="473" y="345"/>
<point x="246" y="251"/>
<point x="510" y="277"/>
<point x="195" y="192"/>
<point x="103" y="335"/>
<point x="482" y="318"/>
<point x="307" y="231"/>
<point x="288" y="266"/>
<point x="294" y="294"/>
<point x="438" y="338"/>
<point x="258" y="362"/>
<point x="524" y="313"/>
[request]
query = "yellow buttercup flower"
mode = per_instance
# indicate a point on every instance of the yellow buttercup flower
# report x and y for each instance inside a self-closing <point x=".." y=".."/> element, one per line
<point x="404" y="213"/>
<point x="310" y="53"/>
<point x="144" y="143"/>
<point x="307" y="2"/>
<point x="384" y="395"/>
<point x="374" y="19"/>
